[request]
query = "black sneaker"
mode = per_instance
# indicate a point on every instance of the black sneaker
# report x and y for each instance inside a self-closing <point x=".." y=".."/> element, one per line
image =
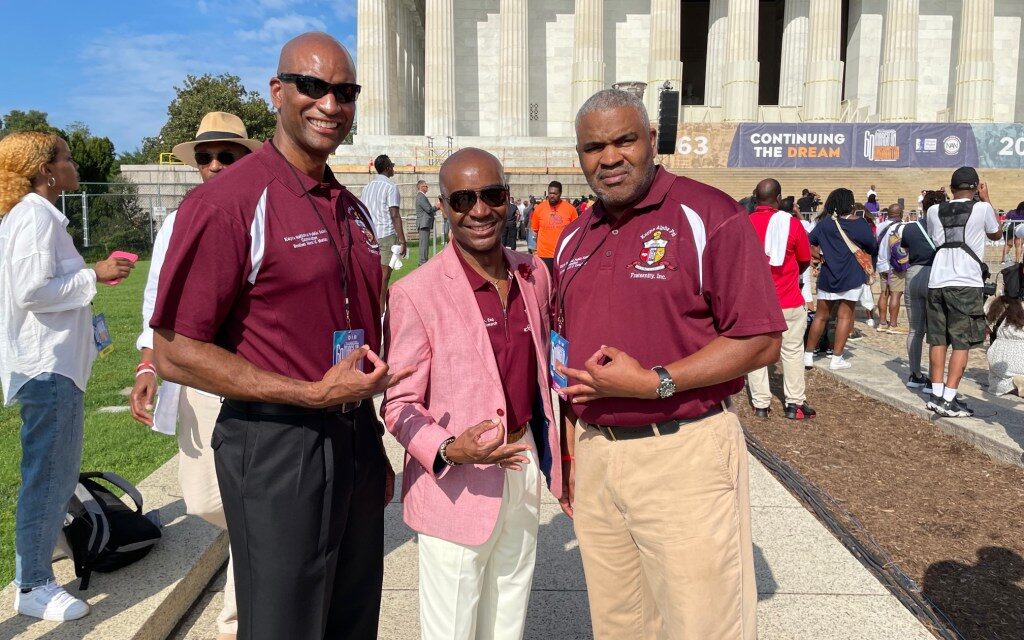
<point x="933" y="402"/>
<point x="799" y="412"/>
<point x="855" y="336"/>
<point x="916" y="382"/>
<point x="953" y="409"/>
<point x="762" y="413"/>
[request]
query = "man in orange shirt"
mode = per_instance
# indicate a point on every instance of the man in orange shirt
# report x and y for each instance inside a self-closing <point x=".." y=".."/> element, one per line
<point x="548" y="220"/>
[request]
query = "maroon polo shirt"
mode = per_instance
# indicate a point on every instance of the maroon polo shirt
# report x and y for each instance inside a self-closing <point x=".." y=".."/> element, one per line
<point x="251" y="267"/>
<point x="678" y="269"/>
<point x="508" y="329"/>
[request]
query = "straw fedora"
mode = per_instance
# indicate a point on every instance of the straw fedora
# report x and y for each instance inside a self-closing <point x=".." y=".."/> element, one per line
<point x="217" y="126"/>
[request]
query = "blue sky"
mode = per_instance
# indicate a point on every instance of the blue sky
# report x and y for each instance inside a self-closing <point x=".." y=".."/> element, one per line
<point x="113" y="64"/>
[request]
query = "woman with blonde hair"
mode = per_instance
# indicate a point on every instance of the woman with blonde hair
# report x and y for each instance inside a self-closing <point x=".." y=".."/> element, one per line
<point x="46" y="354"/>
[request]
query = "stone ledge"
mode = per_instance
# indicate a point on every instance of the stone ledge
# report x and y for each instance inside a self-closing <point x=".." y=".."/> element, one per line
<point x="147" y="599"/>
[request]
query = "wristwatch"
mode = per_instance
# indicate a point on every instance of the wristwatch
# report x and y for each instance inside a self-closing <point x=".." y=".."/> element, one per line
<point x="666" y="388"/>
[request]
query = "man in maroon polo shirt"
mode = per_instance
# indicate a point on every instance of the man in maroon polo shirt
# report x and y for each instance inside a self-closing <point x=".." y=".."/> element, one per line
<point x="666" y="302"/>
<point x="262" y="271"/>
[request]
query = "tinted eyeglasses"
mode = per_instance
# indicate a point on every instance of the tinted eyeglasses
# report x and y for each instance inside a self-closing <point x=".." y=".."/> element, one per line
<point x="494" y="195"/>
<point x="316" y="88"/>
<point x="204" y="158"/>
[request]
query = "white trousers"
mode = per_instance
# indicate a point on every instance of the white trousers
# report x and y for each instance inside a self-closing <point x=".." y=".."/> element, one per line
<point x="482" y="592"/>
<point x="197" y="416"/>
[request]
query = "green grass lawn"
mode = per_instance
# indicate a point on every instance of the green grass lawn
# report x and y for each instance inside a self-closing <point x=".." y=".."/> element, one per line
<point x="113" y="441"/>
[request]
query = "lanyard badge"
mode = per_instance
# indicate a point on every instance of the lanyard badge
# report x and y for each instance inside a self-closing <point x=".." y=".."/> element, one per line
<point x="101" y="335"/>
<point x="559" y="355"/>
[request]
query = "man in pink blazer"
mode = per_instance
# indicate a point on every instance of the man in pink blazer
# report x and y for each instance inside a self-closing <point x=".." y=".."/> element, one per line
<point x="475" y="418"/>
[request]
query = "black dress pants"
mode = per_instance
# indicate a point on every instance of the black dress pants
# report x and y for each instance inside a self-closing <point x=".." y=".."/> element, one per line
<point x="304" y="501"/>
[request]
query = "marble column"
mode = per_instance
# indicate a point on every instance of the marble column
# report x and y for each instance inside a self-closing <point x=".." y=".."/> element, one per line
<point x="975" y="70"/>
<point x="897" y="88"/>
<point x="663" y="59"/>
<point x="418" y="59"/>
<point x="514" y="83"/>
<point x="740" y="78"/>
<point x="823" y="82"/>
<point x="372" y="68"/>
<point x="588" y="52"/>
<point x="439" y="78"/>
<point x="718" y="21"/>
<point x="393" y="43"/>
<point x="400" y="97"/>
<point x="794" y="54"/>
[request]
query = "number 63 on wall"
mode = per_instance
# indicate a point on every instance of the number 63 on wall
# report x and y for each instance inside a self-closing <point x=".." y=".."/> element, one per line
<point x="686" y="145"/>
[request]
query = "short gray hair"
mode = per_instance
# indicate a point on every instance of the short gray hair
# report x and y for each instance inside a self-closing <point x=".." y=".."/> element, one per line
<point x="420" y="183"/>
<point x="606" y="99"/>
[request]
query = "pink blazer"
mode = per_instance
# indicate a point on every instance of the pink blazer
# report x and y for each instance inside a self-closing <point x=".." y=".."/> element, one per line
<point x="434" y="324"/>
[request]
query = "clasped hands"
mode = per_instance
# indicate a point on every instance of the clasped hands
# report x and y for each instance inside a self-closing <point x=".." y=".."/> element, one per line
<point x="610" y="373"/>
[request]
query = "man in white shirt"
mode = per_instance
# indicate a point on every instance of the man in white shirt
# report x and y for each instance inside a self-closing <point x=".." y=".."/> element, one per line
<point x="220" y="141"/>
<point x="382" y="199"/>
<point x="871" y="192"/>
<point x="892" y="283"/>
<point x="956" y="316"/>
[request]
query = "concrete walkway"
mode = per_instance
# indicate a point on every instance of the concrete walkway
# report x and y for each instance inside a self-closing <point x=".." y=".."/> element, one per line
<point x="809" y="586"/>
<point x="880" y="371"/>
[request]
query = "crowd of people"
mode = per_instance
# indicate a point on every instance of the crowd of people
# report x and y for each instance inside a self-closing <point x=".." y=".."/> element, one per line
<point x="269" y="314"/>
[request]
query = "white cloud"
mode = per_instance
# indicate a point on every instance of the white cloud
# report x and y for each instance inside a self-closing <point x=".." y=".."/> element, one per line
<point x="281" y="28"/>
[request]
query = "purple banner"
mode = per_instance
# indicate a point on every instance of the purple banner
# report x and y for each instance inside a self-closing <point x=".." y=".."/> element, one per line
<point x="816" y="146"/>
<point x="792" y="145"/>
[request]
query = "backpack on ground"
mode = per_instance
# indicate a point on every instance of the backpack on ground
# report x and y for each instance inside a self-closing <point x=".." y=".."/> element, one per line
<point x="899" y="257"/>
<point x="103" y="533"/>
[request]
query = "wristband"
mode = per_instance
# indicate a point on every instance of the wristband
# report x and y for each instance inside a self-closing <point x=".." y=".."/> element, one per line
<point x="145" y="364"/>
<point x="443" y="452"/>
<point x="567" y="457"/>
<point x="144" y="371"/>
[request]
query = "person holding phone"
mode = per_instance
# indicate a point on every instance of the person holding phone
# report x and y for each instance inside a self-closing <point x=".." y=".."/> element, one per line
<point x="46" y="356"/>
<point x="220" y="141"/>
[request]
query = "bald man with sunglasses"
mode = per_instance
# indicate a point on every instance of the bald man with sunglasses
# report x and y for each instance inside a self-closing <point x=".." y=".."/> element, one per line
<point x="475" y="416"/>
<point x="270" y="298"/>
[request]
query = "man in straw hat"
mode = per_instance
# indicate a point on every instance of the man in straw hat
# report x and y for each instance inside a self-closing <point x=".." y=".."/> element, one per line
<point x="220" y="141"/>
<point x="270" y="298"/>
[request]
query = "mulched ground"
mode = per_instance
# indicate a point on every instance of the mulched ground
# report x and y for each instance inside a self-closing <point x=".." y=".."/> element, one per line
<point x="951" y="517"/>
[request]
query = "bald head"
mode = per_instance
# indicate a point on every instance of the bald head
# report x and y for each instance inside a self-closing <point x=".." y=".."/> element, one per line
<point x="472" y="164"/>
<point x="299" y="51"/>
<point x="768" y="192"/>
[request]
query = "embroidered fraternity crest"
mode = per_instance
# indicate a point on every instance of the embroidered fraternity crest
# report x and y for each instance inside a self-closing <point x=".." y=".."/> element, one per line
<point x="371" y="241"/>
<point x="652" y="256"/>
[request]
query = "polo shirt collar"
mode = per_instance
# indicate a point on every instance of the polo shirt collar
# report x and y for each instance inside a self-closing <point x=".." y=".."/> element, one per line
<point x="476" y="281"/>
<point x="296" y="181"/>
<point x="655" y="195"/>
<point x="763" y="208"/>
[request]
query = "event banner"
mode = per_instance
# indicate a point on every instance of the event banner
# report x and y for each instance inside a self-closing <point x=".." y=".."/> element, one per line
<point x="863" y="145"/>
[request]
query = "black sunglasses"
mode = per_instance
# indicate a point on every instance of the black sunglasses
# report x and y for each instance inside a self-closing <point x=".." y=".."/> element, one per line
<point x="204" y="158"/>
<point x="494" y="195"/>
<point x="316" y="88"/>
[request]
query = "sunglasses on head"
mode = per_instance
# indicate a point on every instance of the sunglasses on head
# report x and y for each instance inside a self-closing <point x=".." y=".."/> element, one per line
<point x="316" y="88"/>
<point x="463" y="201"/>
<point x="204" y="158"/>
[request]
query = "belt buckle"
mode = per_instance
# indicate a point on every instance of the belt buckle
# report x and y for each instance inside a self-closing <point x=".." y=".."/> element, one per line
<point x="347" y="407"/>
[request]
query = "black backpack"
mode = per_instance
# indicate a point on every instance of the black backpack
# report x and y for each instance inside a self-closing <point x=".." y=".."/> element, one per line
<point x="1012" y="277"/>
<point x="103" y="533"/>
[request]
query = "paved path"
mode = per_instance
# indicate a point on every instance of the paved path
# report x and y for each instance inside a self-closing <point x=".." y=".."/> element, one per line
<point x="809" y="586"/>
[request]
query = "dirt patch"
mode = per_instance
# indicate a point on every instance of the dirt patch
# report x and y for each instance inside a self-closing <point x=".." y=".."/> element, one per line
<point x="951" y="517"/>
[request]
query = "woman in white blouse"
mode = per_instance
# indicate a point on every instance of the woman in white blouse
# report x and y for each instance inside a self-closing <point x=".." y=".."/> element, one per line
<point x="46" y="354"/>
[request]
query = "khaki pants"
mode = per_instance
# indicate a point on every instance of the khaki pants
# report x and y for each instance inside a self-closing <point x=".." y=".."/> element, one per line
<point x="481" y="592"/>
<point x="792" y="358"/>
<point x="197" y="415"/>
<point x="664" y="530"/>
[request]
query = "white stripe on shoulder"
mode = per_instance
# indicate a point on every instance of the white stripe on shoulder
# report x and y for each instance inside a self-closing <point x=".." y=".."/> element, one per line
<point x="257" y="236"/>
<point x="700" y="238"/>
<point x="565" y="242"/>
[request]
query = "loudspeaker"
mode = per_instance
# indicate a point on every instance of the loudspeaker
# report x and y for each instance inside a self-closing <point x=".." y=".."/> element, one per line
<point x="668" y="121"/>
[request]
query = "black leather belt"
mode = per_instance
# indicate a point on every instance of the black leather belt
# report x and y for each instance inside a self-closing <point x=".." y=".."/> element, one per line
<point x="278" y="410"/>
<point x="666" y="428"/>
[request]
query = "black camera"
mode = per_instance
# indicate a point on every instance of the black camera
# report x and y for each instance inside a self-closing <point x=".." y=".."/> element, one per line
<point x="989" y="289"/>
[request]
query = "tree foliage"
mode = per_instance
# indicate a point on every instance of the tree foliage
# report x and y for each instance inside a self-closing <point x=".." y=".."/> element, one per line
<point x="200" y="95"/>
<point x="31" y="120"/>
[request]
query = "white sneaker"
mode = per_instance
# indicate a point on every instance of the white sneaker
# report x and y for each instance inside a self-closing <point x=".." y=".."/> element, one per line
<point x="839" y="363"/>
<point x="871" y="322"/>
<point x="50" y="602"/>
